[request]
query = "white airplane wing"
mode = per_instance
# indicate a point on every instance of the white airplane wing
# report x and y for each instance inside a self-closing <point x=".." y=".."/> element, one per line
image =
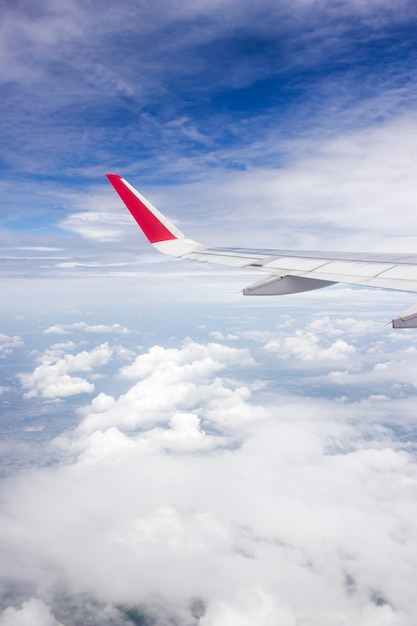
<point x="288" y="271"/>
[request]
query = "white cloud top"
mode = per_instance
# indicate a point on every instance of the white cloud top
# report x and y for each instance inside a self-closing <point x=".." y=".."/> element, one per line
<point x="32" y="613"/>
<point x="53" y="377"/>
<point x="174" y="380"/>
<point x="195" y="484"/>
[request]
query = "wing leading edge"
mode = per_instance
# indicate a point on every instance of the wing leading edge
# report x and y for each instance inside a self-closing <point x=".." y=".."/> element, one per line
<point x="288" y="271"/>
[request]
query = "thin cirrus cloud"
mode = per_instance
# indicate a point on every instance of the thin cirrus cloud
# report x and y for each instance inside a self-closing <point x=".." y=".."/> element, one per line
<point x="122" y="71"/>
<point x="324" y="200"/>
<point x="300" y="106"/>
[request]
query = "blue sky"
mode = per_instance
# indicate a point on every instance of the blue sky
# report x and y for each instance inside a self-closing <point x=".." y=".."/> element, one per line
<point x="248" y="125"/>
<point x="167" y="92"/>
<point x="167" y="443"/>
<point x="285" y="124"/>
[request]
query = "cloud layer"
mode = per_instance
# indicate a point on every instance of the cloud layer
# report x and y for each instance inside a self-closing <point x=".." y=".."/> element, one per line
<point x="221" y="501"/>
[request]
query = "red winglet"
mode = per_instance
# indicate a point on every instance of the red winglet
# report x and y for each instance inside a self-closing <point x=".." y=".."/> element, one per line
<point x="153" y="228"/>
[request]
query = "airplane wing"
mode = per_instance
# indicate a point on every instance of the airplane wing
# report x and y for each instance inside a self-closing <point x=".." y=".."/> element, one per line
<point x="288" y="271"/>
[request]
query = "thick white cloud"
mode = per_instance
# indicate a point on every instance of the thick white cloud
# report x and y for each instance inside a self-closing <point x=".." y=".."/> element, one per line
<point x="172" y="380"/>
<point x="53" y="377"/>
<point x="183" y="435"/>
<point x="33" y="613"/>
<point x="320" y="518"/>
<point x="269" y="508"/>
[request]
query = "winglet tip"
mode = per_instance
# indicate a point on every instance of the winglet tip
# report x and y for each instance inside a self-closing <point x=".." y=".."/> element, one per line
<point x="113" y="176"/>
<point x="155" y="225"/>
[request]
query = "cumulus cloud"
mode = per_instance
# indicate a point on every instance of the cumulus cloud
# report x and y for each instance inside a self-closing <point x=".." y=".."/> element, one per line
<point x="184" y="435"/>
<point x="219" y="502"/>
<point x="172" y="379"/>
<point x="53" y="377"/>
<point x="309" y="520"/>
<point x="305" y="346"/>
<point x="321" y="341"/>
<point x="33" y="613"/>
<point x="343" y="356"/>
<point x="7" y="344"/>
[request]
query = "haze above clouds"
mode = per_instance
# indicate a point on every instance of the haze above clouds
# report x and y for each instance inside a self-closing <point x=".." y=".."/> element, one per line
<point x="174" y="453"/>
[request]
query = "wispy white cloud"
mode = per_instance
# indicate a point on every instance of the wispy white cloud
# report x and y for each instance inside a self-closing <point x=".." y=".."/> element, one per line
<point x="101" y="226"/>
<point x="320" y="200"/>
<point x="64" y="329"/>
<point x="351" y="191"/>
<point x="80" y="73"/>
